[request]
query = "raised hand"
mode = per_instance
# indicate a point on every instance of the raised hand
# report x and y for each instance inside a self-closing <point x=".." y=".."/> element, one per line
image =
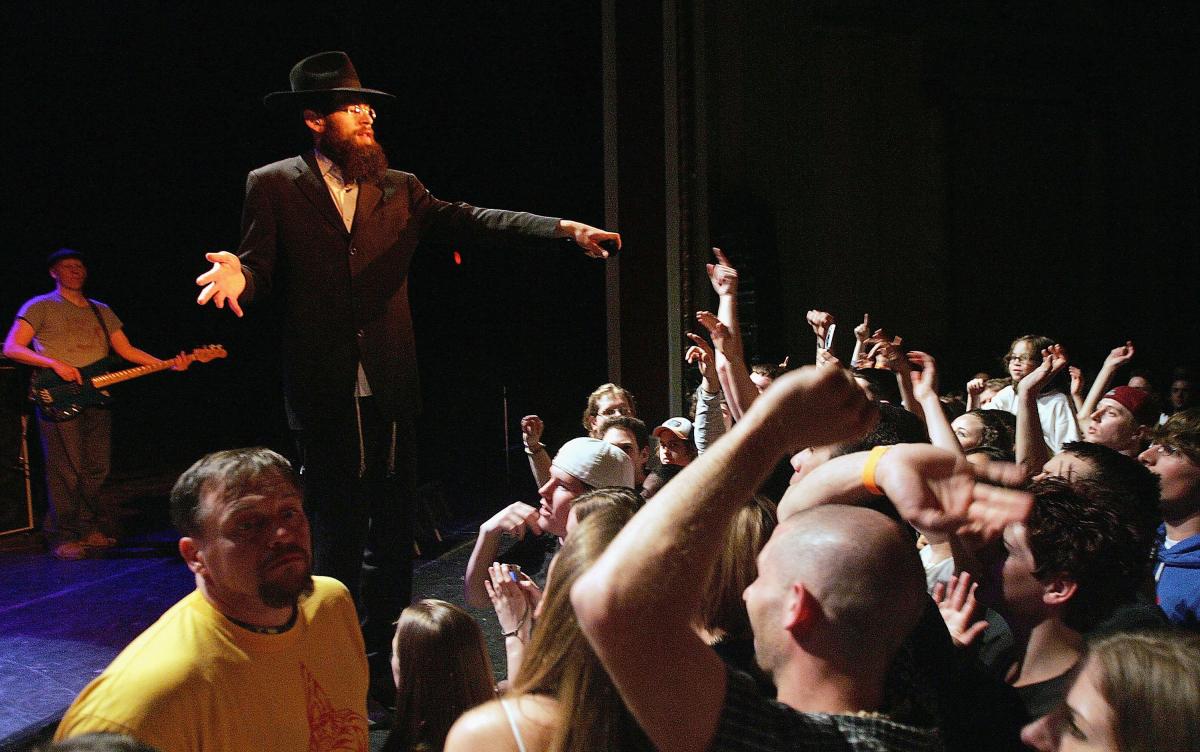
<point x="722" y="275"/>
<point x="1054" y="359"/>
<point x="224" y="282"/>
<point x="862" y="332"/>
<point x="820" y="321"/>
<point x="936" y="490"/>
<point x="814" y="406"/>
<point x="701" y="355"/>
<point x="718" y="332"/>
<point x="924" y="380"/>
<point x="1076" y="380"/>
<point x="531" y="431"/>
<point x="515" y="519"/>
<point x="1119" y="356"/>
<point x="509" y="599"/>
<point x="589" y="238"/>
<point x="957" y="604"/>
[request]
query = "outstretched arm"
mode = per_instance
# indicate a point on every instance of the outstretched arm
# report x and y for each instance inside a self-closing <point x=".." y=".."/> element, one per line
<point x="645" y="583"/>
<point x="123" y="347"/>
<point x="589" y="238"/>
<point x="1117" y="358"/>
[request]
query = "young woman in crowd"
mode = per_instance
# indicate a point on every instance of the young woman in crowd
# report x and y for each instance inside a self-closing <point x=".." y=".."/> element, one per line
<point x="561" y="699"/>
<point x="1137" y="692"/>
<point x="441" y="667"/>
<point x="1055" y="411"/>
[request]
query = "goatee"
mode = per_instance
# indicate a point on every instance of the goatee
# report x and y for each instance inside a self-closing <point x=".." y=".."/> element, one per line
<point x="356" y="161"/>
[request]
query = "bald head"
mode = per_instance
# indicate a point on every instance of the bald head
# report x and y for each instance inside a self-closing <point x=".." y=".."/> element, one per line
<point x="861" y="568"/>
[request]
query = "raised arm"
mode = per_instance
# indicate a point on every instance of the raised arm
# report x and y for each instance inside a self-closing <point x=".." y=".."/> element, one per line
<point x="1117" y="358"/>
<point x="539" y="459"/>
<point x="637" y="604"/>
<point x="515" y="519"/>
<point x="709" y="424"/>
<point x="924" y="389"/>
<point x="820" y="321"/>
<point x="740" y="391"/>
<point x="862" y="333"/>
<point x="724" y="279"/>
<point x="1031" y="450"/>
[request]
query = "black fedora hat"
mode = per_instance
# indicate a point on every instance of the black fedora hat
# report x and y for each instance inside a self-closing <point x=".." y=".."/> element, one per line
<point x="317" y="77"/>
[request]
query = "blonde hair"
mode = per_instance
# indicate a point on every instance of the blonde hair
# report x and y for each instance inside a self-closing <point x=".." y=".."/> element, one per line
<point x="723" y="612"/>
<point x="592" y="411"/>
<point x="559" y="661"/>
<point x="1151" y="681"/>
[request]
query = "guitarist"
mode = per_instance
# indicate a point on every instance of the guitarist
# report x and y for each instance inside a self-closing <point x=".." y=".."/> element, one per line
<point x="63" y="330"/>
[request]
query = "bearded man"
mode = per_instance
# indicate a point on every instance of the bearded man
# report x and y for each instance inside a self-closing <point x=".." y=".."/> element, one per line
<point x="335" y="230"/>
<point x="261" y="655"/>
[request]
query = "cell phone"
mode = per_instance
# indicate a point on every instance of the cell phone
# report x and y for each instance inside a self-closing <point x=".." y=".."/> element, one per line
<point x="829" y="336"/>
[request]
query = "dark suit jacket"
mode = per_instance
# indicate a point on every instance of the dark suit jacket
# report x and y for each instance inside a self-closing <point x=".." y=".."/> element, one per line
<point x="345" y="295"/>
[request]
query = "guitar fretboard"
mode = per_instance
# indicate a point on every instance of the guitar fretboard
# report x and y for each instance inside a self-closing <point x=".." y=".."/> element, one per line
<point x="117" y="377"/>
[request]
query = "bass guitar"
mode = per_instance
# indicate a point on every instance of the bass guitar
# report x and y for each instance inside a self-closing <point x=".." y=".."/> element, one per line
<point x="59" y="400"/>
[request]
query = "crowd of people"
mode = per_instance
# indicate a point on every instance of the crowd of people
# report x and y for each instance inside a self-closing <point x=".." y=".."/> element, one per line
<point x="1012" y="567"/>
<point x="835" y="556"/>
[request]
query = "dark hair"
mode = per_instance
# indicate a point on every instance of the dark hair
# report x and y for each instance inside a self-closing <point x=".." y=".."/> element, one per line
<point x="635" y="426"/>
<point x="1086" y="531"/>
<point x="999" y="428"/>
<point x="1134" y="483"/>
<point x="994" y="453"/>
<point x="952" y="406"/>
<point x="444" y="672"/>
<point x="896" y="426"/>
<point x="230" y="473"/>
<point x="770" y="370"/>
<point x="883" y="383"/>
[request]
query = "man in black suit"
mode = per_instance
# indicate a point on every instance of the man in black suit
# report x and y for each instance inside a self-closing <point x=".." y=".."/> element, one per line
<point x="335" y="230"/>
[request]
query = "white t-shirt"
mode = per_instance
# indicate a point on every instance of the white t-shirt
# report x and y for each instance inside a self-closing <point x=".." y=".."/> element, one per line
<point x="1054" y="412"/>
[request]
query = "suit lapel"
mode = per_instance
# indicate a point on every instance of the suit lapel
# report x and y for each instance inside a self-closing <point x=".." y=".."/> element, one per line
<point x="368" y="198"/>
<point x="312" y="185"/>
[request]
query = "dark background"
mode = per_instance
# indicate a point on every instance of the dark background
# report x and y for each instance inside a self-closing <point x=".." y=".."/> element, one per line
<point x="966" y="175"/>
<point x="132" y="127"/>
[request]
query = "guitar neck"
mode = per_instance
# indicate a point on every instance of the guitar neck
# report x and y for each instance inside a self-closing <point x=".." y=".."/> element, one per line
<point x="116" y="377"/>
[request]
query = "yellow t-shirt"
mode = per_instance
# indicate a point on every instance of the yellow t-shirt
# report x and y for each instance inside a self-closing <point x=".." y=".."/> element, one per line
<point x="195" y="681"/>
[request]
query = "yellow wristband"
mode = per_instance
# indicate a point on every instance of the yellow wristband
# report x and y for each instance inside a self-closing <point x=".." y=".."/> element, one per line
<point x="868" y="472"/>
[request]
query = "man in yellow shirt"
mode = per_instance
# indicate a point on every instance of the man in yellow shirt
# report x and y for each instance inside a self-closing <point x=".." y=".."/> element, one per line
<point x="261" y="655"/>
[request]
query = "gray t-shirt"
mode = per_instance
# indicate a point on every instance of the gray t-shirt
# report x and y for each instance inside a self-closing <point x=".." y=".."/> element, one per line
<point x="67" y="332"/>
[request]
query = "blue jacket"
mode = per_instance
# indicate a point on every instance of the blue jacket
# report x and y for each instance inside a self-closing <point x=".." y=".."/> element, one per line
<point x="1177" y="573"/>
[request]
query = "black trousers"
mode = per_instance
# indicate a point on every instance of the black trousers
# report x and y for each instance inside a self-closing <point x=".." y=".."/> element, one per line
<point x="358" y="473"/>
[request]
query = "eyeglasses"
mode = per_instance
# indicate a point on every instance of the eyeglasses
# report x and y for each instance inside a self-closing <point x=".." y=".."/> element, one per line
<point x="356" y="109"/>
<point x="1020" y="359"/>
<point x="1165" y="450"/>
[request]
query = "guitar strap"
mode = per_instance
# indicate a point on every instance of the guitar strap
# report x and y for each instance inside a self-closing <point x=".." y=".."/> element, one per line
<point x="103" y="326"/>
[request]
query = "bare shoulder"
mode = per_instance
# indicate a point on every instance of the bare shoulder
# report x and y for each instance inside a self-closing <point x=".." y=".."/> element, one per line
<point x="486" y="727"/>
